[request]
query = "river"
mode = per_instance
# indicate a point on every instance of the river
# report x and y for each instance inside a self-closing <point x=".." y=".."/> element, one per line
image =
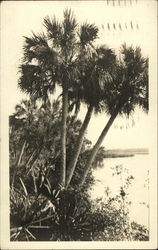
<point x="138" y="190"/>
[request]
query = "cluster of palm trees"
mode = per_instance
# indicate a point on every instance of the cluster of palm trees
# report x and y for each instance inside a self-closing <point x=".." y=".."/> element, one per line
<point x="67" y="56"/>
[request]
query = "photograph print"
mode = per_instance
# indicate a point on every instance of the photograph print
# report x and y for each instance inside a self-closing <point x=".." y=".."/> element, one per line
<point x="79" y="82"/>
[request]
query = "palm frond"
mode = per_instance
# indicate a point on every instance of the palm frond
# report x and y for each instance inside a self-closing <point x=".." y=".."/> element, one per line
<point x="29" y="76"/>
<point x="33" y="44"/>
<point x="106" y="58"/>
<point x="68" y="39"/>
<point x="88" y="33"/>
<point x="69" y="25"/>
<point x="35" y="40"/>
<point x="35" y="81"/>
<point x="129" y="87"/>
<point x="54" y="30"/>
<point x="37" y="48"/>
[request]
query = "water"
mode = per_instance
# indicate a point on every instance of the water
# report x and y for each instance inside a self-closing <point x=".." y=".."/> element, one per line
<point x="138" y="191"/>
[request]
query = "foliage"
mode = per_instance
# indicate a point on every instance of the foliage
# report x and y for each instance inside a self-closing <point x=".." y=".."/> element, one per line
<point x="42" y="151"/>
<point x="114" y="211"/>
<point x="36" y="181"/>
<point x="139" y="232"/>
<point x="70" y="215"/>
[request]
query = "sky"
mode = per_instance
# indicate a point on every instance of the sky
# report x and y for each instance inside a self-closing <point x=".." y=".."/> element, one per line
<point x="20" y="18"/>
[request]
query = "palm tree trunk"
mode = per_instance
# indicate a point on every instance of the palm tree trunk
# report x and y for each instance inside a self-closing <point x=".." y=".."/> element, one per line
<point x="97" y="146"/>
<point x="63" y="138"/>
<point x="18" y="162"/>
<point x="78" y="146"/>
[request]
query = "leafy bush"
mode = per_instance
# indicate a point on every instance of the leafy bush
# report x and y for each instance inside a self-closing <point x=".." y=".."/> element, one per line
<point x="70" y="215"/>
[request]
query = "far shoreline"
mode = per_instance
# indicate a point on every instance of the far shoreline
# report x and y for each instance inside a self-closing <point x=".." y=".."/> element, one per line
<point x="119" y="153"/>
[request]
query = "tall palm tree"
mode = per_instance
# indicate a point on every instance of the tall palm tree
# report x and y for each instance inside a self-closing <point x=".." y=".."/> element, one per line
<point x="129" y="89"/>
<point x="49" y="59"/>
<point x="55" y="57"/>
<point x="96" y="70"/>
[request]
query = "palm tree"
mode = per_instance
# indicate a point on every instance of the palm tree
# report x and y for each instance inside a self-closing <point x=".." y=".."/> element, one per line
<point x="96" y="70"/>
<point x="56" y="58"/>
<point x="49" y="60"/>
<point x="129" y="89"/>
